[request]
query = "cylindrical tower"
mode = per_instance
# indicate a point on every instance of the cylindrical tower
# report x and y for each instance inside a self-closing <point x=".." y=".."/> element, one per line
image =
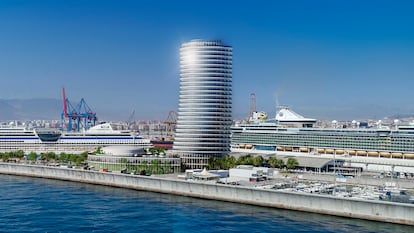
<point x="204" y="112"/>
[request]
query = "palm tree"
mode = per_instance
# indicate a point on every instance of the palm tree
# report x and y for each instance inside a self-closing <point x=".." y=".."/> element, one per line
<point x="232" y="161"/>
<point x="212" y="163"/>
<point x="273" y="162"/>
<point x="291" y="163"/>
<point x="258" y="161"/>
<point x="245" y="160"/>
<point x="280" y="163"/>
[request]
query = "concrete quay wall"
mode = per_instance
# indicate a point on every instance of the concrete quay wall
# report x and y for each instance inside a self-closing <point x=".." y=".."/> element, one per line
<point x="363" y="209"/>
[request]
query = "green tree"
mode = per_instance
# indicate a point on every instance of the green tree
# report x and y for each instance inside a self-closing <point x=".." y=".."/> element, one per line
<point x="273" y="162"/>
<point x="99" y="151"/>
<point x="222" y="162"/>
<point x="155" y="164"/>
<point x="5" y="156"/>
<point x="32" y="156"/>
<point x="123" y="162"/>
<point x="79" y="160"/>
<point x="245" y="160"/>
<point x="232" y="161"/>
<point x="258" y="161"/>
<point x="291" y="163"/>
<point x="152" y="150"/>
<point x="160" y="150"/>
<point x="84" y="156"/>
<point x="63" y="157"/>
<point x="213" y="163"/>
<point x="19" y="154"/>
<point x="73" y="158"/>
<point x="280" y="163"/>
<point x="144" y="166"/>
<point x="51" y="156"/>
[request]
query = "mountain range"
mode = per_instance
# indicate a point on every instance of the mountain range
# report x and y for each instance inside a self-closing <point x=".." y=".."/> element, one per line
<point x="51" y="109"/>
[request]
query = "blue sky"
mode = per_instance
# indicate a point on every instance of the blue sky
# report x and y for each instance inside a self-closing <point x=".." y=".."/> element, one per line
<point x="326" y="59"/>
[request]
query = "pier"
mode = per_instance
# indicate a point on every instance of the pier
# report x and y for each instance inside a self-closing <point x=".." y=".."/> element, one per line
<point x="354" y="208"/>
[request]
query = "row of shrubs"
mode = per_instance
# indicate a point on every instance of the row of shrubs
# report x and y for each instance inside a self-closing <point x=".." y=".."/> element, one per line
<point x="227" y="162"/>
<point x="50" y="157"/>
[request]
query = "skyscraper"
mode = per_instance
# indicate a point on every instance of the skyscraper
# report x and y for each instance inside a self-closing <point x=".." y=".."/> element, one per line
<point x="205" y="111"/>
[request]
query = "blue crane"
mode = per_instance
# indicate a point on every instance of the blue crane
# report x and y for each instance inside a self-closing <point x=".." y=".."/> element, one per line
<point x="81" y="117"/>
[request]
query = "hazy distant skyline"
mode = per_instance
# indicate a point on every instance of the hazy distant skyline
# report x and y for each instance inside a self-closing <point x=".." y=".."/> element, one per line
<point x="326" y="59"/>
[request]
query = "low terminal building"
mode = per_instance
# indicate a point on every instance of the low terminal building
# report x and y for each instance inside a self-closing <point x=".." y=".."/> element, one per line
<point x="250" y="173"/>
<point x="132" y="159"/>
<point x="203" y="174"/>
<point x="124" y="151"/>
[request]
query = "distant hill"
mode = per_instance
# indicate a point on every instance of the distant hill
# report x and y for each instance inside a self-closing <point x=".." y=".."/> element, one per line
<point x="400" y="116"/>
<point x="30" y="109"/>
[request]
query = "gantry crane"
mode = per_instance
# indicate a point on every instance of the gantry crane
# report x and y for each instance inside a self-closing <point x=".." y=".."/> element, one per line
<point x="81" y="117"/>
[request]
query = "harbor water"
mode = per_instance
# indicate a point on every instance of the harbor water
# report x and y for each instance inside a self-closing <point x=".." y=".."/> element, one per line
<point x="43" y="205"/>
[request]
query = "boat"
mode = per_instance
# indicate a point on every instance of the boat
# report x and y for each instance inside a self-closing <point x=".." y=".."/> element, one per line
<point x="385" y="154"/>
<point x="339" y="152"/>
<point x="352" y="152"/>
<point x="361" y="153"/>
<point x="43" y="140"/>
<point x="396" y="155"/>
<point x="409" y="156"/>
<point x="249" y="146"/>
<point x="373" y="153"/>
<point x="289" y="131"/>
<point x="166" y="143"/>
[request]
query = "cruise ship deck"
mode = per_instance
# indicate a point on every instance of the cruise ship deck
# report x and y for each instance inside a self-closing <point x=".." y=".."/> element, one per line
<point x="279" y="135"/>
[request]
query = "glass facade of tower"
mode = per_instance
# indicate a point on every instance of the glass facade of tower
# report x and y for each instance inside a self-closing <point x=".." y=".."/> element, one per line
<point x="204" y="112"/>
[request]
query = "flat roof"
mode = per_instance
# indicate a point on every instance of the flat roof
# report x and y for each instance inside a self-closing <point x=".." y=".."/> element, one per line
<point x="309" y="161"/>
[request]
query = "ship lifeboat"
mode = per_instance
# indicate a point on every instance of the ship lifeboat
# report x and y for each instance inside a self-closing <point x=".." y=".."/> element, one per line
<point x="385" y="154"/>
<point x="352" y="152"/>
<point x="373" y="153"/>
<point x="321" y="151"/>
<point x="396" y="155"/>
<point x="339" y="152"/>
<point x="304" y="149"/>
<point x="329" y="151"/>
<point x="242" y="146"/>
<point x="409" y="156"/>
<point x="280" y="148"/>
<point x="288" y="148"/>
<point x="249" y="146"/>
<point x="361" y="153"/>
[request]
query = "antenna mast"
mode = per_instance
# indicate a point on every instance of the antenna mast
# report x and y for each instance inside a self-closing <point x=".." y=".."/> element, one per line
<point x="252" y="105"/>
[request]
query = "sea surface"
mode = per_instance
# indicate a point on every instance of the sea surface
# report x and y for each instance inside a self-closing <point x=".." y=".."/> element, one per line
<point x="43" y="205"/>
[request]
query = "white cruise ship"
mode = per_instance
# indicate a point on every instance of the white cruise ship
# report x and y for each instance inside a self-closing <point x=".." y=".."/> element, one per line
<point x="53" y="140"/>
<point x="289" y="131"/>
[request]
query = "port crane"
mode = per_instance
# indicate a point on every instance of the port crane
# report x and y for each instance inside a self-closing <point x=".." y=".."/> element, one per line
<point x="79" y="117"/>
<point x="170" y="123"/>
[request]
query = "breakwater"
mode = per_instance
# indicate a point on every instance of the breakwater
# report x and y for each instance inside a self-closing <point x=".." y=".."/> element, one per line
<point x="354" y="208"/>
